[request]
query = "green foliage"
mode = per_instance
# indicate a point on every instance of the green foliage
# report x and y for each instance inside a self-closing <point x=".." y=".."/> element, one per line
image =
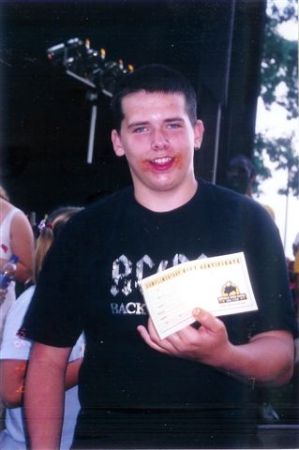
<point x="280" y="152"/>
<point x="279" y="73"/>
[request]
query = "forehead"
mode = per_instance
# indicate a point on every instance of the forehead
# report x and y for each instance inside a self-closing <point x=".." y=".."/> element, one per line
<point x="143" y="102"/>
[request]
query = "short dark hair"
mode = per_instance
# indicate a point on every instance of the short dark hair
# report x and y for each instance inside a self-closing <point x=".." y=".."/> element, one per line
<point x="153" y="78"/>
<point x="242" y="162"/>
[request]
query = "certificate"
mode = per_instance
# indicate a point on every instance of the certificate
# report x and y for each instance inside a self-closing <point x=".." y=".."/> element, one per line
<point x="219" y="284"/>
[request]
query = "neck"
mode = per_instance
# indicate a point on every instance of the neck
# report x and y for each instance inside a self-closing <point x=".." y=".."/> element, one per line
<point x="168" y="200"/>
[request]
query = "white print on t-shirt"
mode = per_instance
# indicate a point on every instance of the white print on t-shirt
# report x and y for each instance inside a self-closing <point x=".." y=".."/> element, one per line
<point x="136" y="308"/>
<point x="19" y="343"/>
<point x="126" y="274"/>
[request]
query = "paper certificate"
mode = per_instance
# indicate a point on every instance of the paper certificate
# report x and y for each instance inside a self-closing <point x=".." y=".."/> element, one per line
<point x="219" y="284"/>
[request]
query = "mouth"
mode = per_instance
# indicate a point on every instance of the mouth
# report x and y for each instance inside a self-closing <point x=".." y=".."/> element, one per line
<point x="162" y="163"/>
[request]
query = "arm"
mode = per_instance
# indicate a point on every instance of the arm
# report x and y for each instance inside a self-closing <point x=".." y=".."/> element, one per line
<point x="22" y="244"/>
<point x="210" y="345"/>
<point x="44" y="395"/>
<point x="72" y="373"/>
<point x="12" y="376"/>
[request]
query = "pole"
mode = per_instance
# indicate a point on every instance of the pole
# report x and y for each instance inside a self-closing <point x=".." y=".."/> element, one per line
<point x="93" y="120"/>
<point x="226" y="88"/>
<point x="286" y="216"/>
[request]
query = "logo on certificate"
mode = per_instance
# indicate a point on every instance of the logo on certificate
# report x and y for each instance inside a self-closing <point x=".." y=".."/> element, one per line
<point x="231" y="293"/>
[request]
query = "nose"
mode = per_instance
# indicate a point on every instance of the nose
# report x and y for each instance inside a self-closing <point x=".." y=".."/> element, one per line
<point x="159" y="140"/>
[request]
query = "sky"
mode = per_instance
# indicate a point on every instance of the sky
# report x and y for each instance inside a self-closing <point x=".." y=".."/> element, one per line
<point x="274" y="123"/>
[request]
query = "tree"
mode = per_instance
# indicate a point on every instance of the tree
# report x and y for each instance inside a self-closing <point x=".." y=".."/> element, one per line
<point x="279" y="74"/>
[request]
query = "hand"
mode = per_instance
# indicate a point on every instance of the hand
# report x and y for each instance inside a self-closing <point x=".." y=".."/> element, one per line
<point x="10" y="269"/>
<point x="208" y="344"/>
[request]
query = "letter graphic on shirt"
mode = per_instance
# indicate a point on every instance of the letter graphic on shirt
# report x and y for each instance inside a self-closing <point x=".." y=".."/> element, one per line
<point x="139" y="309"/>
<point x="144" y="261"/>
<point x="179" y="258"/>
<point x="121" y="270"/>
<point x="163" y="265"/>
<point x="122" y="274"/>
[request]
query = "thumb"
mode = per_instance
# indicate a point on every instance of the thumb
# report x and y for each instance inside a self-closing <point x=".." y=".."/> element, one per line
<point x="207" y="319"/>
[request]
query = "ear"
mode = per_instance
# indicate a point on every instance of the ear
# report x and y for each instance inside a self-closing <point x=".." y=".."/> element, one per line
<point x="199" y="130"/>
<point x="117" y="143"/>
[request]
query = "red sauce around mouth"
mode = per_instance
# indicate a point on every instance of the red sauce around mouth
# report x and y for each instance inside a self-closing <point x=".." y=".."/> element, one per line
<point x="147" y="165"/>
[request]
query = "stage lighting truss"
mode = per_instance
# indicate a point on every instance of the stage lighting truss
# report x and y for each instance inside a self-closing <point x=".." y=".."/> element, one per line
<point x="87" y="65"/>
<point x="91" y="68"/>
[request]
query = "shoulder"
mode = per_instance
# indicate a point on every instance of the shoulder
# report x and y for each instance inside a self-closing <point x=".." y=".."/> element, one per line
<point x="225" y="206"/>
<point x="223" y="198"/>
<point x="110" y="201"/>
<point x="92" y="225"/>
<point x="17" y="213"/>
<point x="19" y="220"/>
<point x="103" y="209"/>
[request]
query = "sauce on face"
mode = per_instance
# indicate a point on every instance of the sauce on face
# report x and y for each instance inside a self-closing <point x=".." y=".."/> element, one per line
<point x="175" y="161"/>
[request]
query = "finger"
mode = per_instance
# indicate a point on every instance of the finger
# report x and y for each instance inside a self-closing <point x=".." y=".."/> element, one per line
<point x="152" y="331"/>
<point x="147" y="339"/>
<point x="207" y="319"/>
<point x="171" y="344"/>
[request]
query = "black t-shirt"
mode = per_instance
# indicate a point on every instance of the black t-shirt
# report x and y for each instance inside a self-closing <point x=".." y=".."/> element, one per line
<point x="89" y="282"/>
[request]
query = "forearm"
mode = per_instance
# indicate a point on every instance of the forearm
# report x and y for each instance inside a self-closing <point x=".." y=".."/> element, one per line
<point x="12" y="376"/>
<point x="265" y="359"/>
<point x="23" y="273"/>
<point x="72" y="373"/>
<point x="44" y="401"/>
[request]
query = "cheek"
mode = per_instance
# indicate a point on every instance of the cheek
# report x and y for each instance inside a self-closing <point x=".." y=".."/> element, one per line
<point x="180" y="161"/>
<point x="145" y="165"/>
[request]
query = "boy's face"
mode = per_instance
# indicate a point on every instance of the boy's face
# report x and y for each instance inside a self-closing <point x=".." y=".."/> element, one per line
<point x="158" y="140"/>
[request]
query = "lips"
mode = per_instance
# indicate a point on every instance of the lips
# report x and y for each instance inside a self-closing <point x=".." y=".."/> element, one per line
<point x="162" y="163"/>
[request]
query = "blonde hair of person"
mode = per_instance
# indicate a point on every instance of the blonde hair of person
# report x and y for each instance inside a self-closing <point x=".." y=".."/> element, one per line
<point x="49" y="227"/>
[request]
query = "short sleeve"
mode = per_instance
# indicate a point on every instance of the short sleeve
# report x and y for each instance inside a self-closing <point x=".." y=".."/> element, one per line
<point x="56" y="313"/>
<point x="268" y="273"/>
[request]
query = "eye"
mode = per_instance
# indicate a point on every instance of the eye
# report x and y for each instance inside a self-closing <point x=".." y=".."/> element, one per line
<point x="174" y="125"/>
<point x="140" y="129"/>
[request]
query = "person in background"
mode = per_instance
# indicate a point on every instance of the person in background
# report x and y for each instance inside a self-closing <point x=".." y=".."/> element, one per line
<point x="241" y="176"/>
<point x="15" y="351"/>
<point x="16" y="238"/>
<point x="195" y="388"/>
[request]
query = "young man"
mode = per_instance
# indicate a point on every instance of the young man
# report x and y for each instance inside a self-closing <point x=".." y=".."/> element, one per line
<point x="194" y="388"/>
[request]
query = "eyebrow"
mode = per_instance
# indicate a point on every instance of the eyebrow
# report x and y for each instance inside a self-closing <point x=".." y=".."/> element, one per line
<point x="137" y="124"/>
<point x="174" y="119"/>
